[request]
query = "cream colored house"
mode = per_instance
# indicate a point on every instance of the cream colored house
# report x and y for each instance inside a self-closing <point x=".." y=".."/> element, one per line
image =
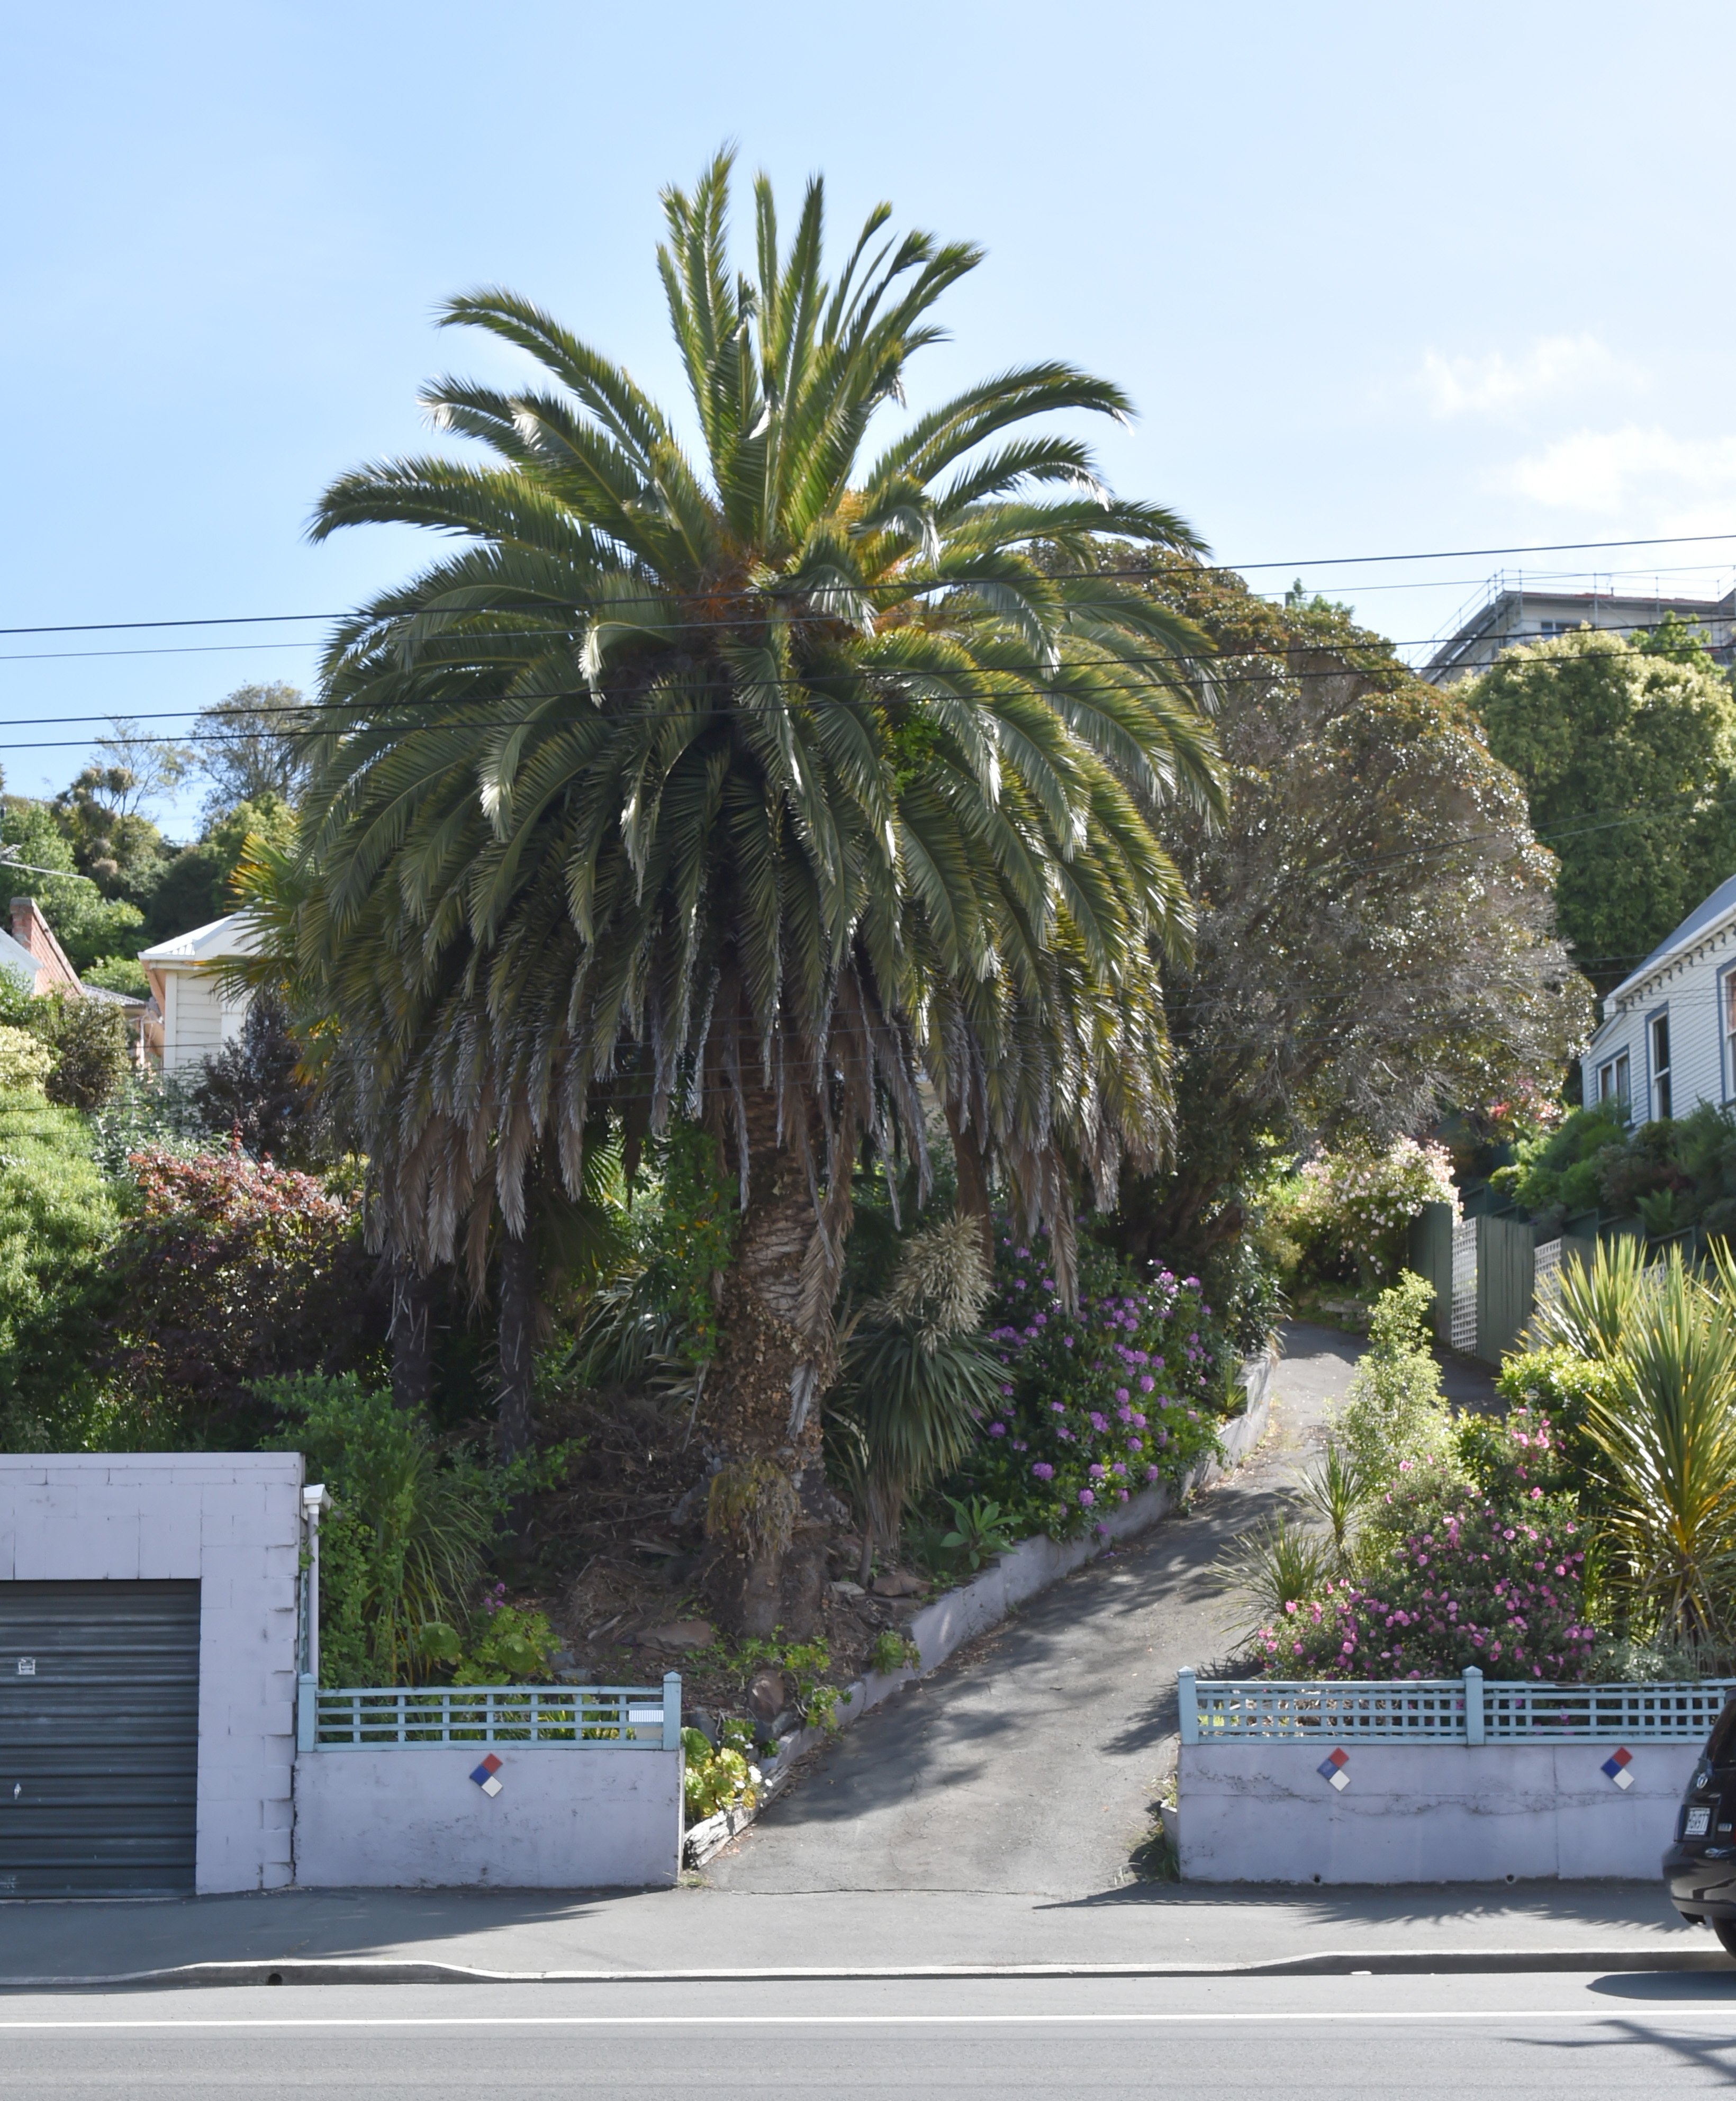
<point x="190" y="1014"/>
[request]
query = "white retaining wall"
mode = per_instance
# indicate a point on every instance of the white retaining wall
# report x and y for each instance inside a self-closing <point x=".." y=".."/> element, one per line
<point x="1262" y="1813"/>
<point x="412" y="1817"/>
<point x="231" y="1521"/>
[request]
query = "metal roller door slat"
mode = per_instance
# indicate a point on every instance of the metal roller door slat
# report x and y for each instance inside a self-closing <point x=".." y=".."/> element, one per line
<point x="99" y="1737"/>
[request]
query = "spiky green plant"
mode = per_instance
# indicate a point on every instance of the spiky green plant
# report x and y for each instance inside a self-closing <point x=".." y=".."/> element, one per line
<point x="1333" y="1491"/>
<point x="1278" y="1562"/>
<point x="1666" y="1440"/>
<point x="1591" y="1305"/>
<point x="770" y="780"/>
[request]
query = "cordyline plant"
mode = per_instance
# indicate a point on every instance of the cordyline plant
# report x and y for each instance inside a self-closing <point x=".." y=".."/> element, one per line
<point x="767" y="783"/>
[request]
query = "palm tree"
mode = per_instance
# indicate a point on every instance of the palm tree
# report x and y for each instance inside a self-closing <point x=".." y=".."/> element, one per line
<point x="771" y="788"/>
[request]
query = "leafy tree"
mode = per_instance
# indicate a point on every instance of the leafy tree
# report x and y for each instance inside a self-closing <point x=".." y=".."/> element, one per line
<point x="199" y="885"/>
<point x="1628" y="753"/>
<point x="1374" y="917"/>
<point x="776" y="781"/>
<point x="87" y="925"/>
<point x="119" y="848"/>
<point x="253" y="748"/>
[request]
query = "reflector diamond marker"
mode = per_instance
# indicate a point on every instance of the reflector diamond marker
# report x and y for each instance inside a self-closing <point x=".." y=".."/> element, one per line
<point x="1331" y="1769"/>
<point x="484" y="1775"/>
<point x="1616" y="1766"/>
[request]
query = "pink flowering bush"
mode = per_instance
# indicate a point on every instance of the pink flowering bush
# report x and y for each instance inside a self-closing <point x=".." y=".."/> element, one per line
<point x="1095" y="1405"/>
<point x="1491" y="1572"/>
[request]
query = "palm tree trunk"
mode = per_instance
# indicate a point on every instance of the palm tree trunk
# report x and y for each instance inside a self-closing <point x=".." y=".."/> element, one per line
<point x="771" y="1510"/>
<point x="973" y="1181"/>
<point x="413" y="1359"/>
<point x="517" y="1337"/>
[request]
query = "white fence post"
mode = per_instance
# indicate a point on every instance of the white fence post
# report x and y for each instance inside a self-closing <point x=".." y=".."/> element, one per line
<point x="1474" y="1705"/>
<point x="672" y="1711"/>
<point x="1187" y="1705"/>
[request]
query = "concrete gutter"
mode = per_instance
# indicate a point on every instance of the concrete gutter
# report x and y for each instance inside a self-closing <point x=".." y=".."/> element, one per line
<point x="959" y="1615"/>
<point x="1348" y="1962"/>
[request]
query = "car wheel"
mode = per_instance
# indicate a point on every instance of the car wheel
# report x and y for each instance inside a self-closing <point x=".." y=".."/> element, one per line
<point x="1726" y="1929"/>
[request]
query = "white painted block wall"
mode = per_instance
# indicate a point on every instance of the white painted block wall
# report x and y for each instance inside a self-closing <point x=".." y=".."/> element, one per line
<point x="231" y="1521"/>
<point x="411" y="1817"/>
<point x="1261" y="1812"/>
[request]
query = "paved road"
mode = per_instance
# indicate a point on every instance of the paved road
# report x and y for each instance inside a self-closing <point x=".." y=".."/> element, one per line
<point x="1031" y="1761"/>
<point x="1569" y="2036"/>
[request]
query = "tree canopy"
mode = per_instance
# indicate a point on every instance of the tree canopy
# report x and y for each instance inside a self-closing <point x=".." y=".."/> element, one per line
<point x="1375" y="916"/>
<point x="1628" y="753"/>
<point x="771" y="783"/>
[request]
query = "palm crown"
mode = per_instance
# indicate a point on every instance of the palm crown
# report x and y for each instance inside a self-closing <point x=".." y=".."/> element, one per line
<point x="768" y="787"/>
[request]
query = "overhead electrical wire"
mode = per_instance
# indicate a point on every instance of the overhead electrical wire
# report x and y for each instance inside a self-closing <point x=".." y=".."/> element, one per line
<point x="1179" y="561"/>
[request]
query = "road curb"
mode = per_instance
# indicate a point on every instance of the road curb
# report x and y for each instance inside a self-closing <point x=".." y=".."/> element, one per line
<point x="1378" y="1962"/>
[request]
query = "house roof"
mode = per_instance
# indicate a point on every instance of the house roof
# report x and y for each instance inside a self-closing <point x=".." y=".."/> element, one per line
<point x="15" y="957"/>
<point x="1721" y="905"/>
<point x="234" y="935"/>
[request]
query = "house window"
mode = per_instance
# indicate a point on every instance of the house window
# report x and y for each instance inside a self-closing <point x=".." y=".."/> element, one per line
<point x="1612" y="1080"/>
<point x="1660" y="1028"/>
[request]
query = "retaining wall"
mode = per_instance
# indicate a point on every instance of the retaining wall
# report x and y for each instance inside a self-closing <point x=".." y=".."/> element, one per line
<point x="411" y="1817"/>
<point x="1263" y="1812"/>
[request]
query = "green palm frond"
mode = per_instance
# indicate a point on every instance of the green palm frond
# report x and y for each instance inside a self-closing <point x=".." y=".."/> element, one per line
<point x="780" y="767"/>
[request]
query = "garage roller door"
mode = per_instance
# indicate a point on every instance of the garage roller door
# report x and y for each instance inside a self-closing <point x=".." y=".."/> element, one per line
<point x="99" y="1737"/>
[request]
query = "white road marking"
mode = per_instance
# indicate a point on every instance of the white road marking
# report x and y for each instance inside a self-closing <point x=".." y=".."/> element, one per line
<point x="1682" y="2010"/>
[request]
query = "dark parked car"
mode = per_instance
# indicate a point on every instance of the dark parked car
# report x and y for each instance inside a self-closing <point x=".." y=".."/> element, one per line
<point x="1699" y="1869"/>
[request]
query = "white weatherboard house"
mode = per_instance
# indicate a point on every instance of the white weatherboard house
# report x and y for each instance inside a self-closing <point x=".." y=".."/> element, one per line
<point x="190" y="1014"/>
<point x="1667" y="1040"/>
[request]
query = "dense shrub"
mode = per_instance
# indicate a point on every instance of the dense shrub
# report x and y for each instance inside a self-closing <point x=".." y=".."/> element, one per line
<point x="58" y="1219"/>
<point x="87" y="1039"/>
<point x="403" y="1550"/>
<point x="25" y="1060"/>
<point x="1097" y="1404"/>
<point x="1396" y="1413"/>
<point x="237" y="1270"/>
<point x="1491" y="1574"/>
<point x="1355" y="1206"/>
<point x="253" y="1086"/>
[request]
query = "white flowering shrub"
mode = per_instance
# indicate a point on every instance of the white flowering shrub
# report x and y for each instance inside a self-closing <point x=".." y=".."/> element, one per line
<point x="1357" y="1203"/>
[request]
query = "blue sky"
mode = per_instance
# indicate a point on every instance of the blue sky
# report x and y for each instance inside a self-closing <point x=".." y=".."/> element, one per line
<point x="1378" y="278"/>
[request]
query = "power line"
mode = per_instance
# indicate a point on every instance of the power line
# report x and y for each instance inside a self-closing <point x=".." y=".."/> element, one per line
<point x="911" y="587"/>
<point x="1205" y="660"/>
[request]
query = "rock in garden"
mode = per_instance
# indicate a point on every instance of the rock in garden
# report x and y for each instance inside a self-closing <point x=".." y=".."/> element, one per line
<point x="898" y="1583"/>
<point x="682" y="1633"/>
<point x="848" y="1591"/>
<point x="766" y="1694"/>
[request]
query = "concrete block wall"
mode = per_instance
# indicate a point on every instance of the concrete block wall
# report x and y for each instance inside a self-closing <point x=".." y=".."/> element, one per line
<point x="231" y="1521"/>
<point x="1262" y="1813"/>
<point x="411" y="1817"/>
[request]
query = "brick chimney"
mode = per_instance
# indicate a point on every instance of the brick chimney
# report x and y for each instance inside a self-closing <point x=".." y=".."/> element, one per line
<point x="31" y="931"/>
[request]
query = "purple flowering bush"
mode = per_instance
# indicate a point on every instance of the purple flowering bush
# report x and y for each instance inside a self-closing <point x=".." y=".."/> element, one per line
<point x="1097" y="1404"/>
<point x="1490" y="1572"/>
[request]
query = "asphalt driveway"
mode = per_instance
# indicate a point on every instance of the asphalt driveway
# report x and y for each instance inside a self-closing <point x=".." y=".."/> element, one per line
<point x="1030" y="1762"/>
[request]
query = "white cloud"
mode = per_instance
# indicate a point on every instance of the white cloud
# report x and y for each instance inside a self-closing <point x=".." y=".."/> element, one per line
<point x="1631" y="470"/>
<point x="1554" y="366"/>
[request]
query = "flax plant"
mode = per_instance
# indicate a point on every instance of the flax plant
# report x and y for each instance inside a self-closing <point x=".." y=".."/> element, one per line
<point x="1665" y="1442"/>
